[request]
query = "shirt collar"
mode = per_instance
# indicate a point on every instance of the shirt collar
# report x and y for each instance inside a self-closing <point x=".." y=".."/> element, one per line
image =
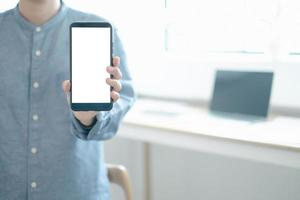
<point x="24" y="23"/>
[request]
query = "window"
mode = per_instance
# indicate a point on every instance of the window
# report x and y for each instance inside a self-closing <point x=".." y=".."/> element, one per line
<point x="254" y="27"/>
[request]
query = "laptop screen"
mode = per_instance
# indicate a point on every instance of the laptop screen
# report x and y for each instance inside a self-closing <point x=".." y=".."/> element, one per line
<point x="240" y="92"/>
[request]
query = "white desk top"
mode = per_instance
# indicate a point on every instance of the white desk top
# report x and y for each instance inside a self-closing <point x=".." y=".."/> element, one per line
<point x="278" y="131"/>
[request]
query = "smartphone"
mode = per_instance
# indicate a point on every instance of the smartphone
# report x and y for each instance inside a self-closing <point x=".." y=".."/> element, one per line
<point x="90" y="55"/>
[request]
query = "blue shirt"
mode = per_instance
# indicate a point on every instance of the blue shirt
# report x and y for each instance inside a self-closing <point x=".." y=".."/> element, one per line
<point x="45" y="153"/>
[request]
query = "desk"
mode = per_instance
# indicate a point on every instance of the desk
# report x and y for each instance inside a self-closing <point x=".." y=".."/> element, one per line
<point x="193" y="128"/>
<point x="255" y="149"/>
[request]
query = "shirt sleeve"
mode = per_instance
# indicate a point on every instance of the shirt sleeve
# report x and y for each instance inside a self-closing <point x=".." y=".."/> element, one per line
<point x="107" y="123"/>
<point x="1" y="18"/>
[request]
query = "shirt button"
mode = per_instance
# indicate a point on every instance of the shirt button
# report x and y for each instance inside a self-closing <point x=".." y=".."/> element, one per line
<point x="38" y="29"/>
<point x="36" y="85"/>
<point x="33" y="185"/>
<point x="38" y="53"/>
<point x="33" y="150"/>
<point x="35" y="117"/>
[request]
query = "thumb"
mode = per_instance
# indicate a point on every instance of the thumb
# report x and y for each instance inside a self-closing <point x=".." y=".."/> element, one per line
<point x="66" y="86"/>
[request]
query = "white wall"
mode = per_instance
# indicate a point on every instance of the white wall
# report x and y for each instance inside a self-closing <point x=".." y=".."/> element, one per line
<point x="198" y="84"/>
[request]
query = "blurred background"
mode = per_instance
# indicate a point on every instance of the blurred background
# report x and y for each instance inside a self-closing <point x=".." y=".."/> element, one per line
<point x="169" y="143"/>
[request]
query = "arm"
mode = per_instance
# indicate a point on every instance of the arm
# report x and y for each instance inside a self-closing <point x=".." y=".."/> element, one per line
<point x="104" y="125"/>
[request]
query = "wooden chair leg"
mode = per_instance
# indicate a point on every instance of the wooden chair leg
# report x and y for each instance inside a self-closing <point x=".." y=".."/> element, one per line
<point x="118" y="174"/>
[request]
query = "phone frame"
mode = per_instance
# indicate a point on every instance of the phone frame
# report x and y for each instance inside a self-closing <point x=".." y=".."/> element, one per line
<point x="91" y="106"/>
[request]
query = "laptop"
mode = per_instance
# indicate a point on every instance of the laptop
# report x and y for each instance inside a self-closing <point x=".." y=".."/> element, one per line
<point x="242" y="95"/>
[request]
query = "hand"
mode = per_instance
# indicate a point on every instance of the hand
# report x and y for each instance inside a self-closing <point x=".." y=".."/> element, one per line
<point x="87" y="117"/>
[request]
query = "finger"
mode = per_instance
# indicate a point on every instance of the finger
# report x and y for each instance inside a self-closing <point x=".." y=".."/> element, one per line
<point x="115" y="84"/>
<point x="115" y="71"/>
<point x="114" y="95"/>
<point x="116" y="61"/>
<point x="66" y="86"/>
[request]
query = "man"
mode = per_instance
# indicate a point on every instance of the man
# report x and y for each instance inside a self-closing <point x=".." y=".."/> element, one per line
<point x="47" y="151"/>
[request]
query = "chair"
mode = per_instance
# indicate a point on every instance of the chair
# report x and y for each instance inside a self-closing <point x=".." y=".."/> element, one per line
<point x="118" y="174"/>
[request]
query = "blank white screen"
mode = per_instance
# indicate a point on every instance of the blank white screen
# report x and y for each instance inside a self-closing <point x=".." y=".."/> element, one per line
<point x="90" y="57"/>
